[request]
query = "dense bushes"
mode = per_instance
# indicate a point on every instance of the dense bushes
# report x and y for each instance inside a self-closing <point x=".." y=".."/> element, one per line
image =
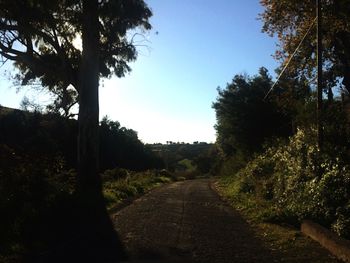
<point x="37" y="199"/>
<point x="297" y="181"/>
<point x="37" y="177"/>
<point x="32" y="192"/>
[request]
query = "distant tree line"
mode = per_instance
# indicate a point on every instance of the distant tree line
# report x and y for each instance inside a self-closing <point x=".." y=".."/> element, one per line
<point x="195" y="142"/>
<point x="202" y="156"/>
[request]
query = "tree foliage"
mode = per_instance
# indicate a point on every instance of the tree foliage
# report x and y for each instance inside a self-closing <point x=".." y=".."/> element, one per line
<point x="244" y="119"/>
<point x="121" y="147"/>
<point x="39" y="37"/>
<point x="43" y="39"/>
<point x="290" y="20"/>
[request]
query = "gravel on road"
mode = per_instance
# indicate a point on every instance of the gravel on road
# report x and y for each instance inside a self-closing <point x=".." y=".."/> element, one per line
<point x="187" y="222"/>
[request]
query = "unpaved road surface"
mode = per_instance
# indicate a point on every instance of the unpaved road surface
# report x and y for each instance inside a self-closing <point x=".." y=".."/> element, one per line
<point x="187" y="222"/>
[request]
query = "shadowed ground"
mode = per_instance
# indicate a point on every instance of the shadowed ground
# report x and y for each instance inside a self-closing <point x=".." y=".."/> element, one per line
<point x="187" y="222"/>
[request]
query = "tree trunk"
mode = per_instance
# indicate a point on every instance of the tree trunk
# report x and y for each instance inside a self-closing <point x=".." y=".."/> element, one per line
<point x="343" y="53"/>
<point x="88" y="144"/>
<point x="99" y="241"/>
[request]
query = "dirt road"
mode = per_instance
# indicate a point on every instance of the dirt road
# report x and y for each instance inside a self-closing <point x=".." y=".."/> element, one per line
<point x="187" y="222"/>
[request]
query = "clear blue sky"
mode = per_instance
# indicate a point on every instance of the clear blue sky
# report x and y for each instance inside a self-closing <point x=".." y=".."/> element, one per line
<point x="200" y="45"/>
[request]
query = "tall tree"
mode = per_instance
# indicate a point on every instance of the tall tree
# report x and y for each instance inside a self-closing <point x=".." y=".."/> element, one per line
<point x="244" y="119"/>
<point x="43" y="38"/>
<point x="290" y="21"/>
<point x="88" y="153"/>
<point x="38" y="36"/>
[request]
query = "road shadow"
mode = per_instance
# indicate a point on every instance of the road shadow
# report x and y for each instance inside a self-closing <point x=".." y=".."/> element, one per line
<point x="188" y="222"/>
<point x="70" y="234"/>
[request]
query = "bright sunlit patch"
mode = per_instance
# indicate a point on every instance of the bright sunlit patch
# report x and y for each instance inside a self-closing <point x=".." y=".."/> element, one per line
<point x="78" y="43"/>
<point x="156" y="127"/>
<point x="124" y="101"/>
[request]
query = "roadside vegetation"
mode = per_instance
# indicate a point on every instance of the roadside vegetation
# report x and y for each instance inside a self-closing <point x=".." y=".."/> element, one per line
<point x="287" y="178"/>
<point x="281" y="177"/>
<point x="283" y="239"/>
<point x="297" y="182"/>
<point x="38" y="175"/>
<point x="273" y="169"/>
<point x="120" y="184"/>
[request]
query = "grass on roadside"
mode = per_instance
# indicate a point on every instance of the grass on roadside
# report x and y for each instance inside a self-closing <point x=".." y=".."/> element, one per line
<point x="120" y="184"/>
<point x="284" y="240"/>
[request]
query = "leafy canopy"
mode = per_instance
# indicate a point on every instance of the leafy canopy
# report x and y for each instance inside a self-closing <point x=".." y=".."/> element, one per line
<point x="42" y="38"/>
<point x="290" y="20"/>
<point x="244" y="119"/>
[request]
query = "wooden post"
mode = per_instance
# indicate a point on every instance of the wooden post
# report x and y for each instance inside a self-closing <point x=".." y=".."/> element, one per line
<point x="319" y="75"/>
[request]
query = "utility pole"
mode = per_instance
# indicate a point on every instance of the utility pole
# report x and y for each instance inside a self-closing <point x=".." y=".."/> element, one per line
<point x="319" y="75"/>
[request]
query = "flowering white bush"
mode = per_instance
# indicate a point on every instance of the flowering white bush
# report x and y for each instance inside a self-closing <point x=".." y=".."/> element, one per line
<point x="301" y="181"/>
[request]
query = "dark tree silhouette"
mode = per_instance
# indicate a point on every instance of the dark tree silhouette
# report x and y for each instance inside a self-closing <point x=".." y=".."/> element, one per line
<point x="38" y="36"/>
<point x="244" y="119"/>
<point x="120" y="147"/>
<point x="42" y="38"/>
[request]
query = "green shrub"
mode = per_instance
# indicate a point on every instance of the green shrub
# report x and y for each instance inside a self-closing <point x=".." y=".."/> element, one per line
<point x="114" y="174"/>
<point x="120" y="184"/>
<point x="296" y="181"/>
<point x="33" y="189"/>
<point x="246" y="185"/>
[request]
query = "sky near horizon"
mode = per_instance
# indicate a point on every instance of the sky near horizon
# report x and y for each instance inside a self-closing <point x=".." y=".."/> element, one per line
<point x="194" y="47"/>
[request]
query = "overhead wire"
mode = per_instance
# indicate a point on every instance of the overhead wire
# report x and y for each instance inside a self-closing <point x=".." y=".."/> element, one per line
<point x="291" y="57"/>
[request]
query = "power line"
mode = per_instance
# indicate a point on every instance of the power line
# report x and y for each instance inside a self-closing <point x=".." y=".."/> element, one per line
<point x="290" y="58"/>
